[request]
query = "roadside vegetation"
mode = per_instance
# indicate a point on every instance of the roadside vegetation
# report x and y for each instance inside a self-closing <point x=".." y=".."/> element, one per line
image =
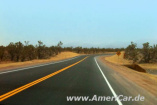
<point x="20" y="52"/>
<point x="91" y="50"/>
<point x="25" y="52"/>
<point x="146" y="54"/>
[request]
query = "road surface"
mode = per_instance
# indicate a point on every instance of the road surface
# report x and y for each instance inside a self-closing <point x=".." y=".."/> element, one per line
<point x="50" y="84"/>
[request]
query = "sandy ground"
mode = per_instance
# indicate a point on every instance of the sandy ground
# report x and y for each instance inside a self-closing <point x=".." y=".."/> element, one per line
<point x="120" y="60"/>
<point x="14" y="65"/>
<point x="144" y="80"/>
<point x="149" y="66"/>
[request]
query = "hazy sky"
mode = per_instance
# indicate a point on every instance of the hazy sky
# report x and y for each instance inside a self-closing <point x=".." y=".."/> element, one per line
<point x="98" y="23"/>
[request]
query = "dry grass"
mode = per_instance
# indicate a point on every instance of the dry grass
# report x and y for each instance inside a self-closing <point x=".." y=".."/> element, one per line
<point x="120" y="60"/>
<point x="13" y="65"/>
<point x="147" y="81"/>
<point x="149" y="66"/>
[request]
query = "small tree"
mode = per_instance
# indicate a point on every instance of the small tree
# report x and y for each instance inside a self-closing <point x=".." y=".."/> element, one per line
<point x="147" y="52"/>
<point x="2" y="49"/>
<point x="11" y="48"/>
<point x="19" y="50"/>
<point x="40" y="50"/>
<point x="154" y="53"/>
<point x="29" y="52"/>
<point x="59" y="46"/>
<point x="131" y="52"/>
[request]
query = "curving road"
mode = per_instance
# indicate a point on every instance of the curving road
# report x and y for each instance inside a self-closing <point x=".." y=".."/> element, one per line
<point x="50" y="84"/>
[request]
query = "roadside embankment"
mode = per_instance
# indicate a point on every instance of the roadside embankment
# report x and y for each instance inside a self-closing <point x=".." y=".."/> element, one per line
<point x="14" y="65"/>
<point x="144" y="80"/>
<point x="146" y="67"/>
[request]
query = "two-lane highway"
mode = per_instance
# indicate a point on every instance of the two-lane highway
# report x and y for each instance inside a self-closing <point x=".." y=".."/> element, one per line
<point x="79" y="77"/>
<point x="51" y="84"/>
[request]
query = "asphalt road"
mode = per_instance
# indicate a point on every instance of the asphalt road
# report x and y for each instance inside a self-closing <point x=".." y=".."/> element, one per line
<point x="51" y="84"/>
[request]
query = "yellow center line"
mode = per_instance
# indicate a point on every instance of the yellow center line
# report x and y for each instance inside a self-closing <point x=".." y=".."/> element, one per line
<point x="17" y="90"/>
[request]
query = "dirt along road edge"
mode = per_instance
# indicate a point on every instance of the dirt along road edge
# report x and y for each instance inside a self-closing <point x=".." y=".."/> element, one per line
<point x="144" y="80"/>
<point x="15" y="65"/>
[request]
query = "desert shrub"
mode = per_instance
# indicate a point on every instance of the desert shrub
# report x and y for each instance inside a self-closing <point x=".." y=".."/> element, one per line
<point x="131" y="52"/>
<point x="24" y="52"/>
<point x="2" y="52"/>
<point x="146" y="54"/>
<point x="11" y="48"/>
<point x="149" y="53"/>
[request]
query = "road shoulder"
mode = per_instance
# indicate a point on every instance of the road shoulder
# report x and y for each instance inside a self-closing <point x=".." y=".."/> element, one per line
<point x="133" y="81"/>
<point x="18" y="65"/>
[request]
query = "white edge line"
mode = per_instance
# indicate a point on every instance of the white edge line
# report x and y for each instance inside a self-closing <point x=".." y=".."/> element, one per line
<point x="113" y="92"/>
<point x="9" y="71"/>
